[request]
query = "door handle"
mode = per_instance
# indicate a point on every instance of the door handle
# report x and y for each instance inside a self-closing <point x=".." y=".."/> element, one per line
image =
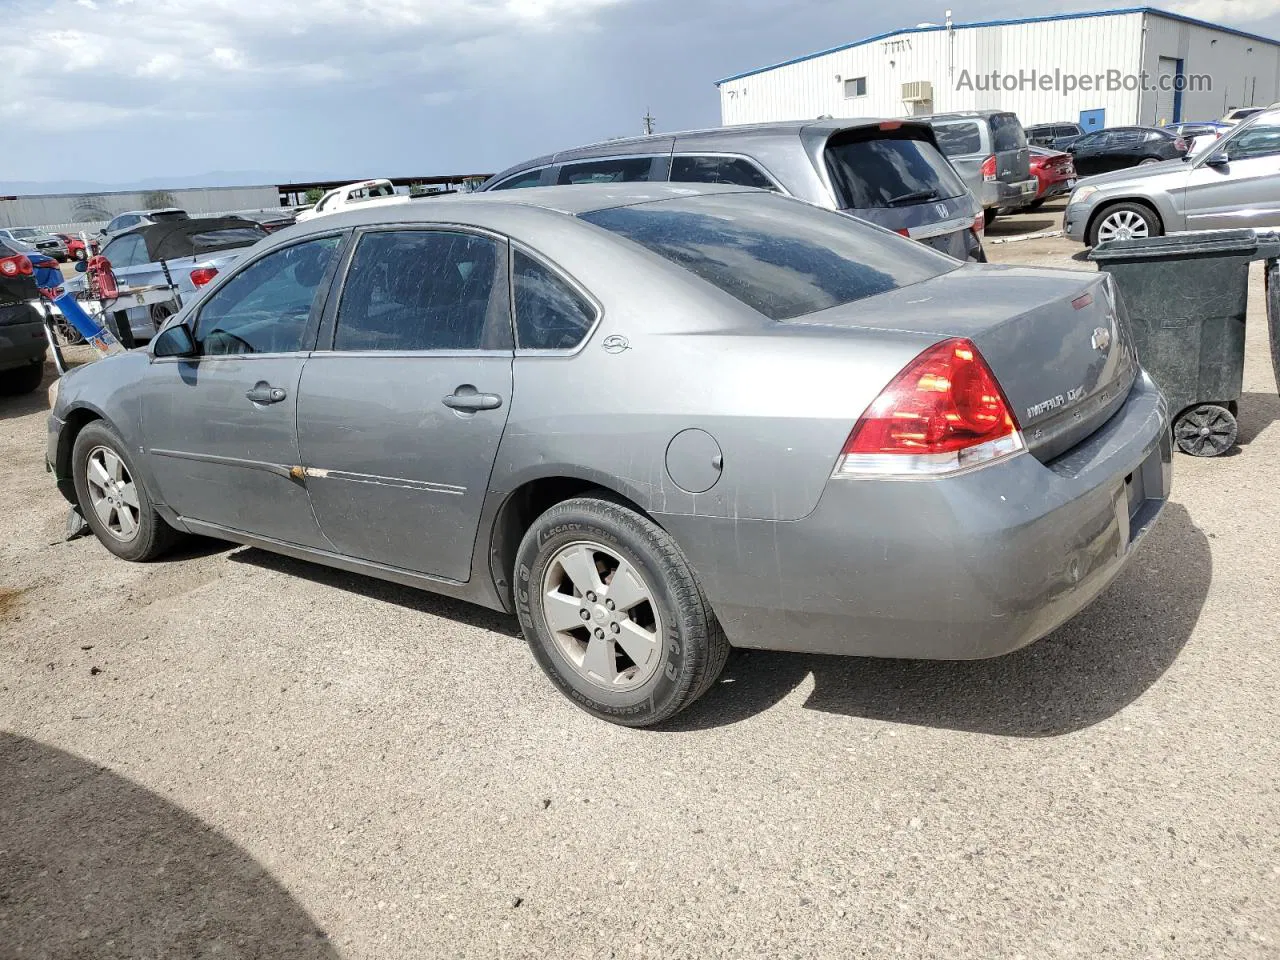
<point x="466" y="398"/>
<point x="264" y="392"/>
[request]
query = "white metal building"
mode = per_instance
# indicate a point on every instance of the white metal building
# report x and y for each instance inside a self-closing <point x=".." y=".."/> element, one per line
<point x="1144" y="66"/>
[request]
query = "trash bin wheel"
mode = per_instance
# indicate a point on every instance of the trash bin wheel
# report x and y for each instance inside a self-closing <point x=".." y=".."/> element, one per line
<point x="1206" y="430"/>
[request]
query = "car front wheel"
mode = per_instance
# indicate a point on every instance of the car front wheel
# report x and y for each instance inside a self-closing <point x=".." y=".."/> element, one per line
<point x="613" y="613"/>
<point x="113" y="500"/>
<point x="1124" y="221"/>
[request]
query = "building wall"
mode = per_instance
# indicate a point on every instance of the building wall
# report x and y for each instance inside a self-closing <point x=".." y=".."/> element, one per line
<point x="71" y="213"/>
<point x="1245" y="72"/>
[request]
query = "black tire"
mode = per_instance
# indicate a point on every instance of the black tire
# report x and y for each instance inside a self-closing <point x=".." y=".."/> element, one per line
<point x="989" y="217"/>
<point x="22" y="380"/>
<point x="152" y="537"/>
<point x="1205" y="430"/>
<point x="693" y="647"/>
<point x="1154" y="227"/>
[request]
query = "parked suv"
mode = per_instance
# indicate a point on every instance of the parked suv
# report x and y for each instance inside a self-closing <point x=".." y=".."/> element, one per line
<point x="51" y="245"/>
<point x="988" y="148"/>
<point x="22" y="337"/>
<point x="1055" y="136"/>
<point x="888" y="172"/>
<point x="1234" y="183"/>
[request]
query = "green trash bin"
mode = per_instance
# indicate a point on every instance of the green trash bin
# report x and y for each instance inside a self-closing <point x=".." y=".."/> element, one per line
<point x="1186" y="296"/>
<point x="1273" y="309"/>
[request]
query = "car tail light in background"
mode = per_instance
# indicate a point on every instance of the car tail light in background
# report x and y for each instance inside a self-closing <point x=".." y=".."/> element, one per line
<point x="202" y="275"/>
<point x="15" y="266"/>
<point x="979" y="224"/>
<point x="903" y="232"/>
<point x="1180" y="144"/>
<point x="943" y="413"/>
<point x="989" y="169"/>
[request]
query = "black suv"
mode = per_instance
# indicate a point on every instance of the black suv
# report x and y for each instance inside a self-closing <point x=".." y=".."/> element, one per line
<point x="22" y="336"/>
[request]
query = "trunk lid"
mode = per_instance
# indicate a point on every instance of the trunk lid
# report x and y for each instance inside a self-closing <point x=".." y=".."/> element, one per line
<point x="1057" y="341"/>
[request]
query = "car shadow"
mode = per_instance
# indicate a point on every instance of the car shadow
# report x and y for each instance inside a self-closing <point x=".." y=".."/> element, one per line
<point x="1081" y="674"/>
<point x="93" y="865"/>
<point x="1015" y="225"/>
<point x="1257" y="412"/>
<point x="408" y="597"/>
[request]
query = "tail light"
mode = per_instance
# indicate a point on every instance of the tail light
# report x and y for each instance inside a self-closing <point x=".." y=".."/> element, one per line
<point x="15" y="266"/>
<point x="202" y="275"/>
<point x="943" y="413"/>
<point x="903" y="232"/>
<point x="1180" y="144"/>
<point x="979" y="225"/>
<point x="989" y="169"/>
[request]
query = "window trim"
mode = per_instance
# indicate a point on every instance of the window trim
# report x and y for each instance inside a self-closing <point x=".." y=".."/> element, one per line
<point x="328" y="328"/>
<point x="726" y="155"/>
<point x="854" y="80"/>
<point x="541" y="171"/>
<point x="313" y="322"/>
<point x="569" y="279"/>
<point x="656" y="165"/>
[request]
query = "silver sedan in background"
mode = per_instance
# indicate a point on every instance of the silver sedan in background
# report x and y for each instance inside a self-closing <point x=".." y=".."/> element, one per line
<point x="652" y="421"/>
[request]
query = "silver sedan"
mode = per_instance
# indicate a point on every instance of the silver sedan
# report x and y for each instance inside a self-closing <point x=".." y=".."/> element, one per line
<point x="651" y="421"/>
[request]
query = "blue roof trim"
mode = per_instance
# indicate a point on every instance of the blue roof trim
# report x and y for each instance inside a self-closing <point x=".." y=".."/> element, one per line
<point x="1004" y="23"/>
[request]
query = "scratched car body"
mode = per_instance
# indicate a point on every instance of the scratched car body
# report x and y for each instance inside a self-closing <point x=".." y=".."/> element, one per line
<point x="652" y="421"/>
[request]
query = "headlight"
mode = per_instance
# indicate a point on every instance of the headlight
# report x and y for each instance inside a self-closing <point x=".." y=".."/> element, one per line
<point x="1081" y="195"/>
<point x="53" y="392"/>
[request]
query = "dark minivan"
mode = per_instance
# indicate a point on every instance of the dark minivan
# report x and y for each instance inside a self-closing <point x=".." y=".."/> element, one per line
<point x="888" y="172"/>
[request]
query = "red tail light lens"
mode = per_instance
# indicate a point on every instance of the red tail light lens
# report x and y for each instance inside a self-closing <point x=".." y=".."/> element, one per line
<point x="1180" y="144"/>
<point x="903" y="232"/>
<point x="202" y="275"/>
<point x="943" y="413"/>
<point x="15" y="266"/>
<point x="979" y="224"/>
<point x="989" y="169"/>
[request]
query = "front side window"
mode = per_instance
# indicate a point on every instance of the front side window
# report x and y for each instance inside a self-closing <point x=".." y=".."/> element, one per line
<point x="550" y="314"/>
<point x="612" y="170"/>
<point x="265" y="307"/>
<point x="891" y="170"/>
<point x="424" y="290"/>
<point x="959" y="139"/>
<point x="1259" y="140"/>
<point x="781" y="257"/>
<point x="736" y="170"/>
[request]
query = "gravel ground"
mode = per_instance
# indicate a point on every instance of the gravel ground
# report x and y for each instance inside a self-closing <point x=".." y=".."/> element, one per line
<point x="231" y="754"/>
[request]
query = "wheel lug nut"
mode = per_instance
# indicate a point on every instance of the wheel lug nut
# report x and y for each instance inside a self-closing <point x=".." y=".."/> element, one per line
<point x="599" y="634"/>
<point x="615" y="628"/>
<point x="591" y="597"/>
<point x="586" y="614"/>
<point x="609" y="604"/>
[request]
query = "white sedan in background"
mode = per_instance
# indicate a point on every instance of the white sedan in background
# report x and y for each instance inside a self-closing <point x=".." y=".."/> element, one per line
<point x="362" y="194"/>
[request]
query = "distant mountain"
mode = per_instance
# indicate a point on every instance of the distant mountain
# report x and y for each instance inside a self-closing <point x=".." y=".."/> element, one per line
<point x="215" y="178"/>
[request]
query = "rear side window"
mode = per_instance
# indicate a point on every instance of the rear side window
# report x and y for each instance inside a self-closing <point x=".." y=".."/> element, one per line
<point x="423" y="290"/>
<point x="550" y="314"/>
<point x="779" y="256"/>
<point x="958" y="139"/>
<point x="888" y="172"/>
<point x="530" y="178"/>
<point x="611" y="170"/>
<point x="1007" y="133"/>
<point x="127" y="251"/>
<point x="736" y="170"/>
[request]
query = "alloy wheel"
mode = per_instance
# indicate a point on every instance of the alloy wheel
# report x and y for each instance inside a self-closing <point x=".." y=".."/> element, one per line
<point x="112" y="493"/>
<point x="1123" y="225"/>
<point x="602" y="615"/>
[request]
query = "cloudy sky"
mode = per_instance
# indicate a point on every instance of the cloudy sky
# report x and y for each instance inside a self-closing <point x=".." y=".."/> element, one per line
<point x="121" y="90"/>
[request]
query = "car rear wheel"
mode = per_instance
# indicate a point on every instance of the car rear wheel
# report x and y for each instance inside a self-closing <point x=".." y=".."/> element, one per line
<point x="1148" y="161"/>
<point x="613" y="613"/>
<point x="22" y="380"/>
<point x="113" y="500"/>
<point x="1206" y="430"/>
<point x="989" y="217"/>
<point x="1035" y="204"/>
<point x="1124" y="221"/>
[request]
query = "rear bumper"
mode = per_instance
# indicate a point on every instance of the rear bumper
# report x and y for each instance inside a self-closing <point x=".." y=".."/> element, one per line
<point x="22" y="343"/>
<point x="968" y="567"/>
<point x="997" y="193"/>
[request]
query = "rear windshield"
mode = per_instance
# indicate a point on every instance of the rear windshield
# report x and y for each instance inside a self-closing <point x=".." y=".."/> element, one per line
<point x="1007" y="133"/>
<point x="160" y="216"/>
<point x="779" y="256"/>
<point x="226" y="239"/>
<point x="958" y="139"/>
<point x="889" y="172"/>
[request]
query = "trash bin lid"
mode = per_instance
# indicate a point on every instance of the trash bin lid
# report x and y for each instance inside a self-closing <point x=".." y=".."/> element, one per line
<point x="1200" y="243"/>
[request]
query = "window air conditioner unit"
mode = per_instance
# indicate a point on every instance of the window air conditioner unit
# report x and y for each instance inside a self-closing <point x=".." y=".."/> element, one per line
<point x="917" y="90"/>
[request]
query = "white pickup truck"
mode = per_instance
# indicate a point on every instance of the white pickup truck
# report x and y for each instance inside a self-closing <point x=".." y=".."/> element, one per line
<point x="362" y="194"/>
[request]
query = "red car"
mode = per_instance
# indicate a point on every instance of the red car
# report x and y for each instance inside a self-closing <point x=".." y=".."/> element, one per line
<point x="75" y="246"/>
<point x="1056" y="172"/>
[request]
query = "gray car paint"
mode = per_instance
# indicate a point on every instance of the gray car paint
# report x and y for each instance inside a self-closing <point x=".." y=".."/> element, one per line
<point x="1013" y="167"/>
<point x="791" y="153"/>
<point x="972" y="565"/>
<point x="1191" y="194"/>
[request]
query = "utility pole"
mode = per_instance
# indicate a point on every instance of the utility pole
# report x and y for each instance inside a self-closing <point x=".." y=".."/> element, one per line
<point x="648" y="122"/>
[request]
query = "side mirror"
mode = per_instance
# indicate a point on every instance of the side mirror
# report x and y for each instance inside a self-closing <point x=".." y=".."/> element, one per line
<point x="82" y="266"/>
<point x="1218" y="158"/>
<point x="174" y="341"/>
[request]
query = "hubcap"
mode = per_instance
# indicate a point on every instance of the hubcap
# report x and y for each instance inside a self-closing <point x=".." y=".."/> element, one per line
<point x="1123" y="225"/>
<point x="112" y="494"/>
<point x="602" y="616"/>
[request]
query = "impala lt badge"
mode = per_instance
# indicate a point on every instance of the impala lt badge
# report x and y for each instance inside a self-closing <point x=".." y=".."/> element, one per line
<point x="1101" y="339"/>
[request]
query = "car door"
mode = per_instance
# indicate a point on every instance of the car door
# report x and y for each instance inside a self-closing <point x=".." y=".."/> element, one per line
<point x="1123" y="150"/>
<point x="1244" y="191"/>
<point x="220" y="427"/>
<point x="1087" y="153"/>
<point x="401" y="411"/>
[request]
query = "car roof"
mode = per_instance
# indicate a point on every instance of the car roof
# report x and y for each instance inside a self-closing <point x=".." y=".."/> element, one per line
<point x="964" y="115"/>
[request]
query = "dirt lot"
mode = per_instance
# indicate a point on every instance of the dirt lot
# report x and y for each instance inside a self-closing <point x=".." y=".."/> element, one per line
<point x="235" y="755"/>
